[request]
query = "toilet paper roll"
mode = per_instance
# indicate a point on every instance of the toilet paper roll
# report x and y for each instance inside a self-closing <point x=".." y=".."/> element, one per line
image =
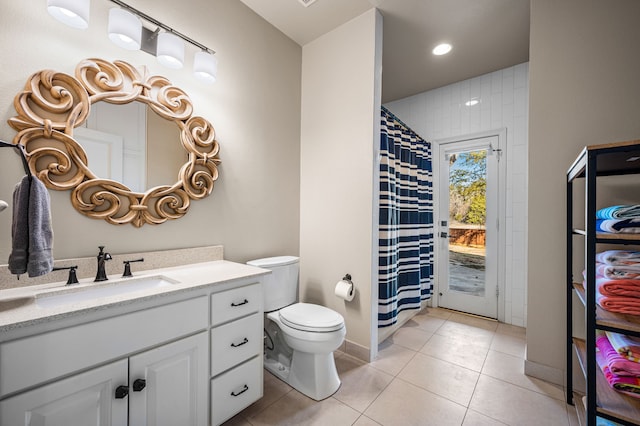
<point x="345" y="290"/>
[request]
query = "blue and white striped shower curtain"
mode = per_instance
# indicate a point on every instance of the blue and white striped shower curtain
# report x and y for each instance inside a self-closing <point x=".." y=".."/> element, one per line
<point x="405" y="247"/>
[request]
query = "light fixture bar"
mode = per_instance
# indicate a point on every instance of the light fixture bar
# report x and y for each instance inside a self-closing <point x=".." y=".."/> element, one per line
<point x="163" y="26"/>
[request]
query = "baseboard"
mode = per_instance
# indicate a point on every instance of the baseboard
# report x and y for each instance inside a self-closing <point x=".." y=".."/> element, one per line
<point x="356" y="350"/>
<point x="544" y="372"/>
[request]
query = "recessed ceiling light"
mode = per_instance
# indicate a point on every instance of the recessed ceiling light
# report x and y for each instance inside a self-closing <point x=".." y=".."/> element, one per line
<point x="472" y="102"/>
<point x="441" y="49"/>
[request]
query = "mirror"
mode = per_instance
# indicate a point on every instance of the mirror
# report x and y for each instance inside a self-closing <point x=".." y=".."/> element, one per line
<point x="123" y="142"/>
<point x="54" y="126"/>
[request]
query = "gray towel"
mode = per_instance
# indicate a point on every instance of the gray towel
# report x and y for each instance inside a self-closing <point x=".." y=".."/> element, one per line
<point x="31" y="232"/>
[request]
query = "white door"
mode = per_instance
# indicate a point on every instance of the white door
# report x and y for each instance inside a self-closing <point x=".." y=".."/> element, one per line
<point x="169" y="384"/>
<point x="87" y="399"/>
<point x="468" y="228"/>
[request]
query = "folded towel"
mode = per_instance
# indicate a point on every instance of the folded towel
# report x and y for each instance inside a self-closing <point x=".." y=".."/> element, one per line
<point x="612" y="288"/>
<point x="619" y="257"/>
<point x="619" y="212"/>
<point x="627" y="346"/>
<point x="32" y="236"/>
<point x="613" y="272"/>
<point x="619" y="304"/>
<point x="627" y="385"/>
<point x="624" y="226"/>
<point x="618" y="364"/>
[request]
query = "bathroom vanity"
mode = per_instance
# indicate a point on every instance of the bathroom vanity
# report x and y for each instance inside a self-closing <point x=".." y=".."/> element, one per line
<point x="173" y="346"/>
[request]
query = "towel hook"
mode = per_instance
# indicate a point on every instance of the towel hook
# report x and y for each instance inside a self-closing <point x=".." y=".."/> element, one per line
<point x="23" y="155"/>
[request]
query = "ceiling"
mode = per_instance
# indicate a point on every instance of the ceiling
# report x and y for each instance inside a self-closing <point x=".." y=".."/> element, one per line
<point x="487" y="35"/>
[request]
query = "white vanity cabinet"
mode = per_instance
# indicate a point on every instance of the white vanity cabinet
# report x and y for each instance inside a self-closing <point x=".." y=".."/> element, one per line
<point x="236" y="351"/>
<point x="191" y="357"/>
<point x="163" y="386"/>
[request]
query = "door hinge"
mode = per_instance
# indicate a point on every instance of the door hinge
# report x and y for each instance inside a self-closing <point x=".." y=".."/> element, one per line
<point x="497" y="291"/>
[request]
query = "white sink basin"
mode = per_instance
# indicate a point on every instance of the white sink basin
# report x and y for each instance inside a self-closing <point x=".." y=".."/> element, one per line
<point x="73" y="295"/>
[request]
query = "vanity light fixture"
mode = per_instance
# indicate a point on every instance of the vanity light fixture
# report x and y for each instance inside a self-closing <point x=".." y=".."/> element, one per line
<point x="442" y="49"/>
<point x="205" y="67"/>
<point x="125" y="29"/>
<point x="170" y="50"/>
<point x="74" y="13"/>
<point x="132" y="29"/>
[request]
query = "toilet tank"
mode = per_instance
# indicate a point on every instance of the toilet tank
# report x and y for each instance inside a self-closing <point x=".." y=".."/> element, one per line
<point x="280" y="287"/>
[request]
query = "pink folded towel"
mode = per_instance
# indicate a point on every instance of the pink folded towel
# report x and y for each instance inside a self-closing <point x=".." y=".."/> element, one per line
<point x="627" y="385"/>
<point x="619" y="272"/>
<point x="618" y="364"/>
<point x="611" y="288"/>
<point x="627" y="346"/>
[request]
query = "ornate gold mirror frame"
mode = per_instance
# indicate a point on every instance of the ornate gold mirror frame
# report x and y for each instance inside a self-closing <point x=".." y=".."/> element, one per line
<point x="53" y="104"/>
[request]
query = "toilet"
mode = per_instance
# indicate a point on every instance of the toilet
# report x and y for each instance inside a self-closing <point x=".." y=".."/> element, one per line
<point x="300" y="338"/>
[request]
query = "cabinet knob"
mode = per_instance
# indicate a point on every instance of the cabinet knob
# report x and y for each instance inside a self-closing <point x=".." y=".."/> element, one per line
<point x="122" y="391"/>
<point x="244" y="302"/>
<point x="244" y="342"/>
<point x="139" y="384"/>
<point x="244" y="389"/>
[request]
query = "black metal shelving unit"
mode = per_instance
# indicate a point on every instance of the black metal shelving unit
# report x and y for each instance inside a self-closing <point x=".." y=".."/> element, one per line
<point x="593" y="163"/>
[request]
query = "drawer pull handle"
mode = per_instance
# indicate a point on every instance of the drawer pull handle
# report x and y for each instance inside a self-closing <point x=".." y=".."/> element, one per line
<point x="139" y="384"/>
<point x="122" y="391"/>
<point x="244" y="302"/>
<point x="244" y="342"/>
<point x="244" y="389"/>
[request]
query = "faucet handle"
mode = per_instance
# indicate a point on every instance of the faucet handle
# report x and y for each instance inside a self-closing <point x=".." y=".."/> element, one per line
<point x="127" y="266"/>
<point x="73" y="278"/>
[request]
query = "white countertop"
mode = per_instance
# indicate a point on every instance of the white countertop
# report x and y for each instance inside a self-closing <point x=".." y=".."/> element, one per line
<point x="18" y="307"/>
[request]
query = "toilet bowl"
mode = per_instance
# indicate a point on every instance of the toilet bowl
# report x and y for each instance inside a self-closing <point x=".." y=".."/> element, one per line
<point x="300" y="338"/>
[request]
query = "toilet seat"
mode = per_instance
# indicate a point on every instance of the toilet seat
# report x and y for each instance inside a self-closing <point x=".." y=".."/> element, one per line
<point x="311" y="317"/>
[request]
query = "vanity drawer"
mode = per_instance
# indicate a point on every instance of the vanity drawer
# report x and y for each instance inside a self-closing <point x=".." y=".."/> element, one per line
<point x="238" y="302"/>
<point x="32" y="360"/>
<point x="235" y="390"/>
<point x="235" y="342"/>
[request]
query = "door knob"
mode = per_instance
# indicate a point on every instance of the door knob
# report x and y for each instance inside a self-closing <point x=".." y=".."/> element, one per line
<point x="139" y="384"/>
<point x="122" y="391"/>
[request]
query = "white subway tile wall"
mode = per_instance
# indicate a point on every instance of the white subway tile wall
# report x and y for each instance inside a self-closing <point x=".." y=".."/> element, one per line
<point x="504" y="103"/>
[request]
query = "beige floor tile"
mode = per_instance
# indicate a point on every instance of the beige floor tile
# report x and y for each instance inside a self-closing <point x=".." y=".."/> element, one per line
<point x="516" y="406"/>
<point x="409" y="337"/>
<point x="441" y="377"/>
<point x="365" y="421"/>
<point x="238" y="420"/>
<point x="474" y="321"/>
<point x="438" y="312"/>
<point x="513" y="330"/>
<point x="456" y="351"/>
<point x="473" y="418"/>
<point x="509" y="344"/>
<point x="296" y="409"/>
<point x="511" y="369"/>
<point x="273" y="390"/>
<point x="402" y="403"/>
<point x="428" y="323"/>
<point x="361" y="383"/>
<point x="392" y="358"/>
<point x="470" y="334"/>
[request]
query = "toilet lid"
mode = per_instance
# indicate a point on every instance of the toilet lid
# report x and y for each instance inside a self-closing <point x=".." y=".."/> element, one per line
<point x="310" y="317"/>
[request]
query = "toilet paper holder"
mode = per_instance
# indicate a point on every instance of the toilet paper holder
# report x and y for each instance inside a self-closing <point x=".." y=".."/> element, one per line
<point x="347" y="278"/>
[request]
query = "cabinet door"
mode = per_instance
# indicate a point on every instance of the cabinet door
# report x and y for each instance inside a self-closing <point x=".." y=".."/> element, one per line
<point x="85" y="399"/>
<point x="174" y="391"/>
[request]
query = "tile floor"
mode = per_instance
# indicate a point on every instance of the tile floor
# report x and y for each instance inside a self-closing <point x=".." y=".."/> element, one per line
<point x="441" y="368"/>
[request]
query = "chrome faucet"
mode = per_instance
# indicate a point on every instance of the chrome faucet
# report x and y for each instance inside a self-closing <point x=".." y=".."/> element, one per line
<point x="101" y="275"/>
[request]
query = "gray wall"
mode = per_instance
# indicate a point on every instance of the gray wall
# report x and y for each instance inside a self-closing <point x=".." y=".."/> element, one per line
<point x="254" y="107"/>
<point x="583" y="69"/>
